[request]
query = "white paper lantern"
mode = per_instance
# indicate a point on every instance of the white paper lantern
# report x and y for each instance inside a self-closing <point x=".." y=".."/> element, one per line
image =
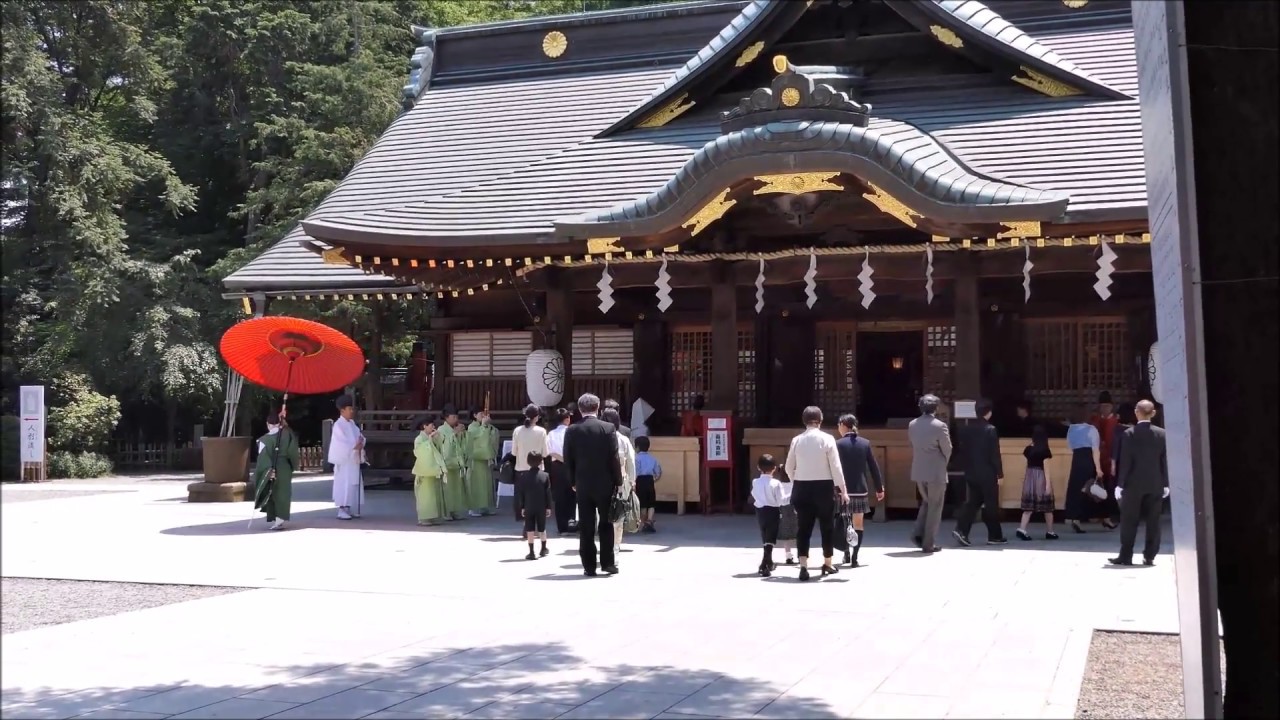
<point x="1153" y="371"/>
<point x="544" y="377"/>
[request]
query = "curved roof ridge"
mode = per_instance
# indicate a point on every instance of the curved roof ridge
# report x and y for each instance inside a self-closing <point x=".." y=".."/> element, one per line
<point x="909" y="162"/>
<point x="972" y="18"/>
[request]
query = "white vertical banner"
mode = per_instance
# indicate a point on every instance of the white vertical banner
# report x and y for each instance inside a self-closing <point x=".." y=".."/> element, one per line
<point x="928" y="274"/>
<point x="31" y="411"/>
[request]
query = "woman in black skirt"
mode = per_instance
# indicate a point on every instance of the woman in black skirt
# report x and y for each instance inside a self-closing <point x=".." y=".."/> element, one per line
<point x="813" y="464"/>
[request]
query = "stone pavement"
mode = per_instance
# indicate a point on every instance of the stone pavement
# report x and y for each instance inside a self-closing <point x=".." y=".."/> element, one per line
<point x="379" y="618"/>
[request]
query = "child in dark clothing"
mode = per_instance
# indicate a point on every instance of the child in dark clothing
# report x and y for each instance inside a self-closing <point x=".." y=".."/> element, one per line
<point x="533" y="500"/>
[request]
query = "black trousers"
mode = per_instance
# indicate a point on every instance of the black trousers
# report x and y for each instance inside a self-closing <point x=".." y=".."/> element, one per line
<point x="562" y="495"/>
<point x="593" y="522"/>
<point x="983" y="493"/>
<point x="1145" y="507"/>
<point x="814" y="501"/>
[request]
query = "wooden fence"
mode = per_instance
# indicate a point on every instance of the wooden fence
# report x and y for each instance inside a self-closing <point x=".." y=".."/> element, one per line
<point x="159" y="457"/>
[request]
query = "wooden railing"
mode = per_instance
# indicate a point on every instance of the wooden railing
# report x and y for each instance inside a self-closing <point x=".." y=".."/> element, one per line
<point x="156" y="456"/>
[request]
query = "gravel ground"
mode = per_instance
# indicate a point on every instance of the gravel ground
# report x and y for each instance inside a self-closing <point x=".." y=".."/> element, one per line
<point x="1132" y="675"/>
<point x="28" y="603"/>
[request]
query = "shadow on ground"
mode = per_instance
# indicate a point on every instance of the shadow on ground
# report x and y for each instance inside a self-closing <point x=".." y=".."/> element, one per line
<point x="499" y="681"/>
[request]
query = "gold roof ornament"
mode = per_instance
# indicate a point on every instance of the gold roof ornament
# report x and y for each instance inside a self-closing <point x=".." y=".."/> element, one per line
<point x="790" y="97"/>
<point x="554" y="44"/>
<point x="946" y="36"/>
<point x="1042" y="83"/>
<point x="709" y="213"/>
<point x="598" y="246"/>
<point x="333" y="256"/>
<point x="890" y="205"/>
<point x="797" y="183"/>
<point x="667" y="113"/>
<point x="1075" y="4"/>
<point x="1020" y="229"/>
<point x="751" y="53"/>
<point x="780" y="64"/>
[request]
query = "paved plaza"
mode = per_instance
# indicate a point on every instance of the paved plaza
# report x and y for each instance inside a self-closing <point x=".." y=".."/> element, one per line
<point x="379" y="618"/>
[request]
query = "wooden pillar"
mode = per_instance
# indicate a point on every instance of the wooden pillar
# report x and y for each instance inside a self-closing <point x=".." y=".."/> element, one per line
<point x="724" y="339"/>
<point x="968" y="329"/>
<point x="559" y="321"/>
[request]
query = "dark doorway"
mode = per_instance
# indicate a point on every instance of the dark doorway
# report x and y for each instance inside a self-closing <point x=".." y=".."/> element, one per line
<point x="890" y="370"/>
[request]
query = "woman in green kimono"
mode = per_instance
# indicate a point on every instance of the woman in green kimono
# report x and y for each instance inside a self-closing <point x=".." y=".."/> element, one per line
<point x="428" y="467"/>
<point x="448" y="441"/>
<point x="482" y="447"/>
<point x="273" y="474"/>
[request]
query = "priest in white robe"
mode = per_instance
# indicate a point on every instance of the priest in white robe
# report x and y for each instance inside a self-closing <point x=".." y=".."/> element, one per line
<point x="346" y="454"/>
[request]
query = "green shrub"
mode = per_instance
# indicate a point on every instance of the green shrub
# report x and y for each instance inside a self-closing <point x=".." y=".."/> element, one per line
<point x="10" y="448"/>
<point x="85" y="419"/>
<point x="63" y="465"/>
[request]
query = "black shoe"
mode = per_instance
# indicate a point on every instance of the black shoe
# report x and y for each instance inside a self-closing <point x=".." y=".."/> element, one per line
<point x="1024" y="535"/>
<point x="998" y="541"/>
<point x="829" y="570"/>
<point x="1049" y="536"/>
<point x="611" y="569"/>
<point x="804" y="574"/>
<point x="791" y="561"/>
<point x="848" y="557"/>
<point x="854" y="563"/>
<point x="544" y="552"/>
<point x="1076" y="526"/>
<point x="927" y="551"/>
<point x="589" y="573"/>
<point x="1109" y="524"/>
<point x="917" y="541"/>
<point x="772" y="566"/>
<point x="763" y="570"/>
<point x="960" y="538"/>
<point x="1148" y="561"/>
<point x="1120" y="561"/>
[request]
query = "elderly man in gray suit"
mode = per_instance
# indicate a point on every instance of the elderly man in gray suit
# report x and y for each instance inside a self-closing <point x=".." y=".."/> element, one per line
<point x="930" y="453"/>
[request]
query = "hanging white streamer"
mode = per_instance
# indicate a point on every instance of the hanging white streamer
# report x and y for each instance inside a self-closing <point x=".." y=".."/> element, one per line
<point x="760" y="288"/>
<point x="664" y="287"/>
<point x="1106" y="266"/>
<point x="868" y="295"/>
<point x="606" y="289"/>
<point x="1026" y="277"/>
<point x="928" y="273"/>
<point x="810" y="283"/>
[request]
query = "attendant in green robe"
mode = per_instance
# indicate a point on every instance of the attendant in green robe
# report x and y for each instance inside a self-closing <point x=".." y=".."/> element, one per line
<point x="428" y="472"/>
<point x="448" y="441"/>
<point x="274" y="489"/>
<point x="482" y="447"/>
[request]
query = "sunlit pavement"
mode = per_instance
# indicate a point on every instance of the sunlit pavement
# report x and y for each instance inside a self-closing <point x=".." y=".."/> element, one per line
<point x="376" y="617"/>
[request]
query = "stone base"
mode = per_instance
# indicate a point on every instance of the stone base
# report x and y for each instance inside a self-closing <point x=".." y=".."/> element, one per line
<point x="216" y="492"/>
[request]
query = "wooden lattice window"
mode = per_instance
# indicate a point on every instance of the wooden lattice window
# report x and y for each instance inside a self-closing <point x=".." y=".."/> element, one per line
<point x="489" y="354"/>
<point x="690" y="366"/>
<point x="940" y="361"/>
<point x="603" y="351"/>
<point x="1070" y="360"/>
<point x="835" y="377"/>
<point x="746" y="373"/>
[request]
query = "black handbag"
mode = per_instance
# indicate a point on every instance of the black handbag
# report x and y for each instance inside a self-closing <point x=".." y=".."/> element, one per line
<point x="618" y="508"/>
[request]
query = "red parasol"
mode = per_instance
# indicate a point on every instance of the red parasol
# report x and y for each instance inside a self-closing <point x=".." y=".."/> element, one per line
<point x="292" y="355"/>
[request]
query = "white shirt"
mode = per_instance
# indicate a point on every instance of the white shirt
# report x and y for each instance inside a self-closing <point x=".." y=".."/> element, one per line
<point x="766" y="491"/>
<point x="555" y="440"/>
<point x="813" y="456"/>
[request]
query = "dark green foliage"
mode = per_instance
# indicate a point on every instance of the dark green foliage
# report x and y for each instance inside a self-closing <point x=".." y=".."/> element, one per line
<point x="10" y="448"/>
<point x="78" y="465"/>
<point x="149" y="149"/>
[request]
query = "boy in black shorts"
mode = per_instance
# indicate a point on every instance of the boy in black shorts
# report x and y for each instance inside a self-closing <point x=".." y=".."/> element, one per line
<point x="648" y="472"/>
<point x="533" y="500"/>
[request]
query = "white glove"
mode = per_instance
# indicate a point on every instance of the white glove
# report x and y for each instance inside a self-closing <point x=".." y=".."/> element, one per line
<point x="1119" y="493"/>
<point x="1166" y="493"/>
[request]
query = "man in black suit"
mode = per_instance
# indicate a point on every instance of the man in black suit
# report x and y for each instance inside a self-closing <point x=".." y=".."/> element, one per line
<point x="1142" y="484"/>
<point x="591" y="462"/>
<point x="983" y="472"/>
<point x="613" y="405"/>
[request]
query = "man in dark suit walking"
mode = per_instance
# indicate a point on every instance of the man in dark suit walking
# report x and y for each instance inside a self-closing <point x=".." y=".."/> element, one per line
<point x="1142" y="484"/>
<point x="591" y="462"/>
<point x="983" y="471"/>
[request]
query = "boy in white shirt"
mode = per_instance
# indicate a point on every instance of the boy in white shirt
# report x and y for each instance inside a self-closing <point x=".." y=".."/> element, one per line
<point x="766" y="493"/>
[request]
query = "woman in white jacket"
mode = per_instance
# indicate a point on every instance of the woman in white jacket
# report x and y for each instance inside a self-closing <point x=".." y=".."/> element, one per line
<point x="627" y="459"/>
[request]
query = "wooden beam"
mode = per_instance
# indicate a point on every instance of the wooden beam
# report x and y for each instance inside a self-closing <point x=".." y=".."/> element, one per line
<point x="559" y="303"/>
<point x="968" y="330"/>
<point x="724" y="341"/>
